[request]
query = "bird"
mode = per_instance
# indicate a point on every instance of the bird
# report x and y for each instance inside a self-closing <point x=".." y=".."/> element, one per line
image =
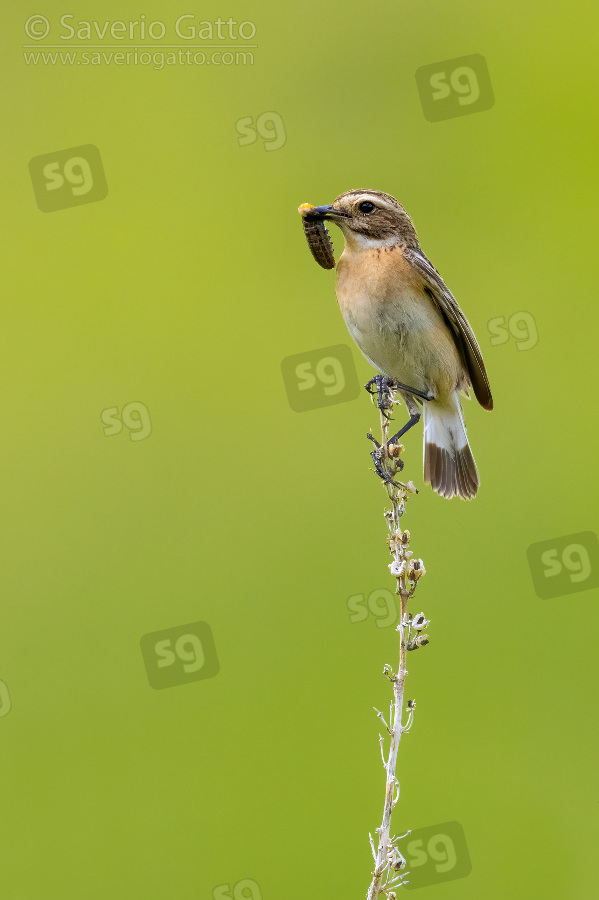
<point x="409" y="326"/>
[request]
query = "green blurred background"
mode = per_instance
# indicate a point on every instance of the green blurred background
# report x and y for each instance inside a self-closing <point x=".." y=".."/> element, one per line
<point x="183" y="290"/>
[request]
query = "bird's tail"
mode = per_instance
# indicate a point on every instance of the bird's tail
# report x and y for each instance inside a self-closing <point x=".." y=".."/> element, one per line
<point x="449" y="466"/>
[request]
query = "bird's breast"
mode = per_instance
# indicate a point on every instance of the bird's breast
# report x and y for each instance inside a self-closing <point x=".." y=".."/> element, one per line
<point x="393" y="320"/>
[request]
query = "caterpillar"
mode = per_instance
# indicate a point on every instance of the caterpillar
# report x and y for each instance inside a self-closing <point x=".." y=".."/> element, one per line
<point x="319" y="240"/>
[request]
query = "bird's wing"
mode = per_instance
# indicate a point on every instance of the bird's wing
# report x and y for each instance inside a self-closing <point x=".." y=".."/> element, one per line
<point x="457" y="321"/>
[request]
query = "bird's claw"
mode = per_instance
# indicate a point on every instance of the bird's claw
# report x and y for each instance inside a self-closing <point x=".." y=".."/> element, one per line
<point x="383" y="386"/>
<point x="380" y="471"/>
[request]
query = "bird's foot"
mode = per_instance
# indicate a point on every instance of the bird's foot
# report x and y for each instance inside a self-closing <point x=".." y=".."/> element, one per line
<point x="380" y="453"/>
<point x="382" y="388"/>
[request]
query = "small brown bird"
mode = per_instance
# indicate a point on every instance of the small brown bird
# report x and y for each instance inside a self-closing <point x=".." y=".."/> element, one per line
<point x="408" y="325"/>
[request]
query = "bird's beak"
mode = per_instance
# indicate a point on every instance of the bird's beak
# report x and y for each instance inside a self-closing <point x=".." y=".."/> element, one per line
<point x="327" y="212"/>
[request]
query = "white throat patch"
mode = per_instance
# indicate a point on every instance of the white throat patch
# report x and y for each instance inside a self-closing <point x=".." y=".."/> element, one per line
<point x="368" y="243"/>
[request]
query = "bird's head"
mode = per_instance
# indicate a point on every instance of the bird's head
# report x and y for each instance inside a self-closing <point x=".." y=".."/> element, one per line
<point x="369" y="219"/>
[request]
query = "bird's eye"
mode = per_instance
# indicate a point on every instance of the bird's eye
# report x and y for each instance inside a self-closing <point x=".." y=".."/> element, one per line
<point x="366" y="207"/>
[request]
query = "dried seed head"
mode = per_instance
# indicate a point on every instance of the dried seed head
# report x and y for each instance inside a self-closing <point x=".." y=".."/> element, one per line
<point x="397" y="568"/>
<point x="419" y="622"/>
<point x="394" y="546"/>
<point x="416" y="569"/>
<point x="405" y="538"/>
<point x="411" y="704"/>
<point x="421" y="640"/>
<point x="396" y="860"/>
<point x="396" y="543"/>
<point x="395" y="450"/>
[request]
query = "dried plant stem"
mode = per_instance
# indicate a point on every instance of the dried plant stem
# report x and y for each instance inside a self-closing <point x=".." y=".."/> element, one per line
<point x="388" y="860"/>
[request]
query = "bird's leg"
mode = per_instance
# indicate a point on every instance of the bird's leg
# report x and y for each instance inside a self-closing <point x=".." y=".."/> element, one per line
<point x="414" y="412"/>
<point x="424" y="395"/>
<point x="383" y="387"/>
<point x="383" y="384"/>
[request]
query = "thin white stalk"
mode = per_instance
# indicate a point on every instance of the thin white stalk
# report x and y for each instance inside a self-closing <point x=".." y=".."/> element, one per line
<point x="389" y="862"/>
